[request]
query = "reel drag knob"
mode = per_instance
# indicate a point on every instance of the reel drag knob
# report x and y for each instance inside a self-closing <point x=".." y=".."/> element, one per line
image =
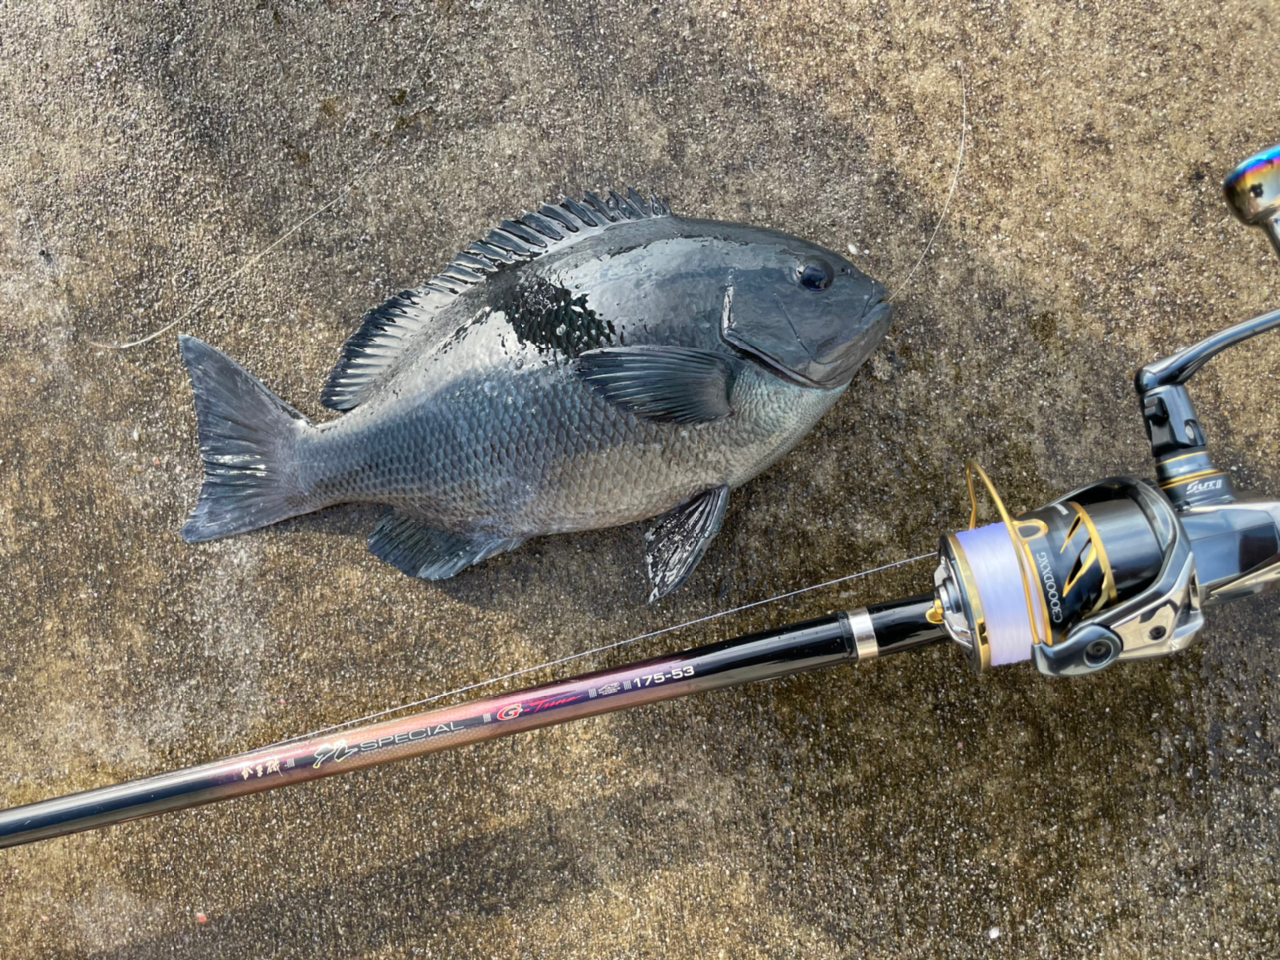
<point x="1253" y="193"/>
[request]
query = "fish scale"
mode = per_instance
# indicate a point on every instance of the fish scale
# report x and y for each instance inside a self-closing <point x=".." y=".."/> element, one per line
<point x="595" y="364"/>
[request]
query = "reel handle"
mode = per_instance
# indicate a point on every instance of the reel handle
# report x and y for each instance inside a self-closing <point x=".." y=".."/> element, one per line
<point x="1183" y="365"/>
<point x="1252" y="191"/>
<point x="1185" y="470"/>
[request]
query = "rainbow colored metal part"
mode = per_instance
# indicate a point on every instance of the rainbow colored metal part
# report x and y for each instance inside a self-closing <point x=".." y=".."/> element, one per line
<point x="1253" y="188"/>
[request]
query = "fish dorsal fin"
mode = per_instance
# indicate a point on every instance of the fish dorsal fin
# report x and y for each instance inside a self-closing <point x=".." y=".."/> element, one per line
<point x="388" y="330"/>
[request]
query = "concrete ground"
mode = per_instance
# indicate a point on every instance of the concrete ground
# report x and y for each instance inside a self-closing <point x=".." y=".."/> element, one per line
<point x="264" y="173"/>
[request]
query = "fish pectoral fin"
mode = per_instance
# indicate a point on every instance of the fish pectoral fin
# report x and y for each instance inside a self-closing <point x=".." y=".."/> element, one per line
<point x="675" y="384"/>
<point x="680" y="538"/>
<point x="419" y="550"/>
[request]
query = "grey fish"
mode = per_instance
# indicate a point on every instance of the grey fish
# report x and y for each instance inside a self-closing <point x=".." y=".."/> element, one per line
<point x="591" y="364"/>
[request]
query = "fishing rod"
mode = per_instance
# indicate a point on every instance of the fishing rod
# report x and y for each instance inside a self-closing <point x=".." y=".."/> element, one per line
<point x="1121" y="569"/>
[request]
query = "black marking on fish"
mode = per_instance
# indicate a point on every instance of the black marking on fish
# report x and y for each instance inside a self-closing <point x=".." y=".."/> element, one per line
<point x="387" y="330"/>
<point x="550" y="317"/>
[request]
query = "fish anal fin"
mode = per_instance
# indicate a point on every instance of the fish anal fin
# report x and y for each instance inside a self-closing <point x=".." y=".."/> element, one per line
<point x="420" y="550"/>
<point x="674" y="384"/>
<point x="680" y="538"/>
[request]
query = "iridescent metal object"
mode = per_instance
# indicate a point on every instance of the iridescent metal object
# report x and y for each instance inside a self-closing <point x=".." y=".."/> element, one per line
<point x="1253" y="192"/>
<point x="1120" y="569"/>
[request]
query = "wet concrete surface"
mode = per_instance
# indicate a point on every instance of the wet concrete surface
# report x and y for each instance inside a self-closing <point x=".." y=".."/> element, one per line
<point x="268" y="172"/>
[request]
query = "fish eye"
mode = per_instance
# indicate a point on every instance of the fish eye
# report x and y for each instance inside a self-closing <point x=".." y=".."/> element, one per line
<point x="815" y="274"/>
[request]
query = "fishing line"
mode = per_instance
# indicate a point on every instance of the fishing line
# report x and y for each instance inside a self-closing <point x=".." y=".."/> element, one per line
<point x="595" y="650"/>
<point x="1115" y="578"/>
<point x="955" y="179"/>
<point x="256" y="258"/>
<point x="250" y="263"/>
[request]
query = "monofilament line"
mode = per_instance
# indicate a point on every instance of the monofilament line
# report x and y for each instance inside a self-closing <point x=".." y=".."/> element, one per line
<point x="595" y="650"/>
<point x="250" y="263"/>
<point x="955" y="179"/>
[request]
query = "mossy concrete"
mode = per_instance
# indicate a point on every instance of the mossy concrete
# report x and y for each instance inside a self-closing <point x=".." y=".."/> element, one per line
<point x="265" y="173"/>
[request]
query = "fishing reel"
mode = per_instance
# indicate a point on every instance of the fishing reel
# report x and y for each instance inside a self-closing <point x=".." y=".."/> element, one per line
<point x="1122" y="569"/>
<point x="1118" y="570"/>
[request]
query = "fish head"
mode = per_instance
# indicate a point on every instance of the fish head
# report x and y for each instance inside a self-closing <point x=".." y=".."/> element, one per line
<point x="805" y="311"/>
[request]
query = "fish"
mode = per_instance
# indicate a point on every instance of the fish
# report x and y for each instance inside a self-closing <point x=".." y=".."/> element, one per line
<point x="594" y="363"/>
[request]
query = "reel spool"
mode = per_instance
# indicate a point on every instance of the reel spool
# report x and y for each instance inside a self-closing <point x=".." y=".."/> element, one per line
<point x="1031" y="587"/>
<point x="1120" y="569"/>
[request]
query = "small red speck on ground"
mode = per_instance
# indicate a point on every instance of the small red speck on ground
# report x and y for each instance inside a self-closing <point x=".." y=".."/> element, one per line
<point x="201" y="918"/>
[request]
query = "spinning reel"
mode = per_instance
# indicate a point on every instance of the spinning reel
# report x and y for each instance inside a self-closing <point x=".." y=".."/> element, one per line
<point x="1122" y="569"/>
<point x="1118" y="570"/>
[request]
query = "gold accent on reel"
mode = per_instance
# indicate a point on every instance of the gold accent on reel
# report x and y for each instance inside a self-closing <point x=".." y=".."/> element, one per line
<point x="1108" y="594"/>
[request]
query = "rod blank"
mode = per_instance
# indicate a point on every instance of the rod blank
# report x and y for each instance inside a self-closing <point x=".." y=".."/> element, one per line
<point x="760" y="656"/>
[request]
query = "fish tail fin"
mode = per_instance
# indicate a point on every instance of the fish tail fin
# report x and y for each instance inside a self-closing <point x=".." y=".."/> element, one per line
<point x="248" y="438"/>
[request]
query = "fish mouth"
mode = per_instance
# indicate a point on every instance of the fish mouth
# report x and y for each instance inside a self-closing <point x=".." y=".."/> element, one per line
<point x="878" y="313"/>
<point x="854" y="352"/>
<point x="835" y="365"/>
<point x="794" y="346"/>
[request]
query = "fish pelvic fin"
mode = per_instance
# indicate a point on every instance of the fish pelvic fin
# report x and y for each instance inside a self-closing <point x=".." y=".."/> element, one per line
<point x="248" y="437"/>
<point x="680" y="538"/>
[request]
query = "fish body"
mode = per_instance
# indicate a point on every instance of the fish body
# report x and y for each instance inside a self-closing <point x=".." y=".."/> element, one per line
<point x="591" y="365"/>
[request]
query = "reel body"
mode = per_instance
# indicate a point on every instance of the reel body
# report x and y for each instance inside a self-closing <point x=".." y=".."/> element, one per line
<point x="1110" y="572"/>
<point x="1122" y="569"/>
<point x="1104" y="573"/>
